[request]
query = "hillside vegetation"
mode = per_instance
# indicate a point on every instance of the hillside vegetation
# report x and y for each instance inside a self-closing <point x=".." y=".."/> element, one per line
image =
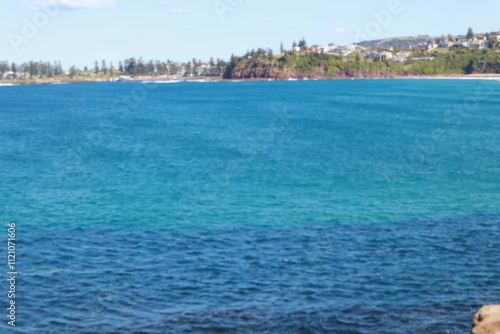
<point x="263" y="64"/>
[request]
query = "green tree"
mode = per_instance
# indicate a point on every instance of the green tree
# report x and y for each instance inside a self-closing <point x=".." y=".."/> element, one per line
<point x="130" y="66"/>
<point x="470" y="34"/>
<point x="141" y="69"/>
<point x="151" y="68"/>
<point x="57" y="68"/>
<point x="189" y="69"/>
<point x="282" y="48"/>
<point x="4" y="67"/>
<point x="96" y="67"/>
<point x="104" y="69"/>
<point x="72" y="71"/>
<point x="50" y="70"/>
<point x="32" y="69"/>
<point x="303" y="43"/>
<point x="493" y="42"/>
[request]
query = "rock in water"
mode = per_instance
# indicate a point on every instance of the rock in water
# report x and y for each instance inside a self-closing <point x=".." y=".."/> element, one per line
<point x="487" y="320"/>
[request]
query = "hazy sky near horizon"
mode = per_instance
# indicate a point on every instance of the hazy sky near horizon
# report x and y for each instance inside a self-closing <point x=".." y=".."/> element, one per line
<point x="78" y="32"/>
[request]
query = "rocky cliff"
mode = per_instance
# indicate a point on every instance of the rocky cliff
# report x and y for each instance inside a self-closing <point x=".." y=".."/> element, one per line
<point x="263" y="70"/>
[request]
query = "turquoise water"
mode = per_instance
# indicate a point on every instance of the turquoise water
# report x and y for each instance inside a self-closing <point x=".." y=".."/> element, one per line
<point x="358" y="206"/>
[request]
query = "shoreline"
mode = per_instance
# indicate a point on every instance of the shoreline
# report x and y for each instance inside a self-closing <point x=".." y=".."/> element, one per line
<point x="219" y="79"/>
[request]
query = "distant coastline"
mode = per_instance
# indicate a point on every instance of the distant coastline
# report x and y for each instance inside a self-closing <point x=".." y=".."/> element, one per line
<point x="470" y="56"/>
<point x="49" y="81"/>
<point x="65" y="80"/>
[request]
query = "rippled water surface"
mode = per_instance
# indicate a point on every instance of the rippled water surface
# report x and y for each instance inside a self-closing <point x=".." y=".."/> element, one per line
<point x="360" y="206"/>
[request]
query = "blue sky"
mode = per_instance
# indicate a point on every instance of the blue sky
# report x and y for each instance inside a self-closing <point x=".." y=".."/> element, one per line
<point x="82" y="31"/>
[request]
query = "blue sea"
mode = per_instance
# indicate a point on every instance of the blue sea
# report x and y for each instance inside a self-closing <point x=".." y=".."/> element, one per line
<point x="352" y="206"/>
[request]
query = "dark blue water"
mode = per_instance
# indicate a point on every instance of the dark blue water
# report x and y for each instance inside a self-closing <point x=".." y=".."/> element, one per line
<point x="271" y="207"/>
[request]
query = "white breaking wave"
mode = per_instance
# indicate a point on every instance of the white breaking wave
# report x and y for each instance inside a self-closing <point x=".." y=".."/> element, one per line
<point x="162" y="81"/>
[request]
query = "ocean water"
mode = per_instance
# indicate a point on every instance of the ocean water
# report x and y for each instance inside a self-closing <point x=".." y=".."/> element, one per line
<point x="355" y="206"/>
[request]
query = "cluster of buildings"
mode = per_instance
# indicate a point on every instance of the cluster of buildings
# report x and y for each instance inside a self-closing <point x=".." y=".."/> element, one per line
<point x="370" y="53"/>
<point x="331" y="48"/>
<point x="401" y="57"/>
<point x="478" y="42"/>
<point x="9" y="75"/>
